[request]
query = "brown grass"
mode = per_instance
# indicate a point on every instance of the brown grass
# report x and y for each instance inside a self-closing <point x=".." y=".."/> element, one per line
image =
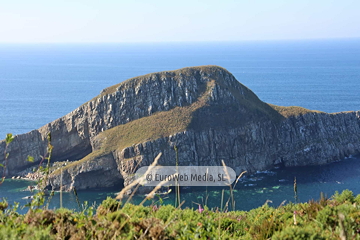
<point x="292" y="111"/>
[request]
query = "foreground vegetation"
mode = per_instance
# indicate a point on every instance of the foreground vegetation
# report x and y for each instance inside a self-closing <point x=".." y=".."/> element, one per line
<point x="334" y="218"/>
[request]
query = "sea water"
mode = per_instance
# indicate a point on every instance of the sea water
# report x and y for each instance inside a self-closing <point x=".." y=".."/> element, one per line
<point x="42" y="82"/>
<point x="275" y="187"/>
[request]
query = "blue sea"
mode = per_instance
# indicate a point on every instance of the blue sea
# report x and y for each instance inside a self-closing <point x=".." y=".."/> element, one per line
<point x="42" y="82"/>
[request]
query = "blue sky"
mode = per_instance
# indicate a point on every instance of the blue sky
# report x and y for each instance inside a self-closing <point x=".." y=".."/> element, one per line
<point x="35" y="21"/>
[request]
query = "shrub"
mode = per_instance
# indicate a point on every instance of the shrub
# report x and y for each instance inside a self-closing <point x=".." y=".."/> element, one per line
<point x="3" y="205"/>
<point x="357" y="199"/>
<point x="345" y="196"/>
<point x="298" y="233"/>
<point x="164" y="212"/>
<point x="327" y="217"/>
<point x="108" y="205"/>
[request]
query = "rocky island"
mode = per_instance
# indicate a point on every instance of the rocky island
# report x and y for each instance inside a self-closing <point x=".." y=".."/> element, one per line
<point x="203" y="111"/>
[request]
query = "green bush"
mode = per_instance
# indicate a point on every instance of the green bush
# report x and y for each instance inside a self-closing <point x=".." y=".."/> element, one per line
<point x="3" y="205"/>
<point x="327" y="217"/>
<point x="357" y="199"/>
<point x="108" y="205"/>
<point x="164" y="212"/>
<point x="298" y="233"/>
<point x="345" y="196"/>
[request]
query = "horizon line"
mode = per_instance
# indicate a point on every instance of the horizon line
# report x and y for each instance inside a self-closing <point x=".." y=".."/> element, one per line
<point x="191" y="41"/>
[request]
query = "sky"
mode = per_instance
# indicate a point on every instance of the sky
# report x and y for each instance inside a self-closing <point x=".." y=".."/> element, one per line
<point x="98" y="21"/>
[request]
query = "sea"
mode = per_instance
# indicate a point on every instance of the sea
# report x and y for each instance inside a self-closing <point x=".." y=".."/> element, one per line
<point x="42" y="82"/>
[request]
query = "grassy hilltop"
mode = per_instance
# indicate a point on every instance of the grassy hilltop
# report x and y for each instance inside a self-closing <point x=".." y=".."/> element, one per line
<point x="200" y="115"/>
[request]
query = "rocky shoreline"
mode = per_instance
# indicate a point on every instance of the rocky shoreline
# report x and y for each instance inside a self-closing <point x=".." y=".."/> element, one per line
<point x="33" y="173"/>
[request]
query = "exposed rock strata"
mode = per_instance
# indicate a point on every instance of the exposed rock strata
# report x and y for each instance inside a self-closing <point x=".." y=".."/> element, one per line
<point x="232" y="124"/>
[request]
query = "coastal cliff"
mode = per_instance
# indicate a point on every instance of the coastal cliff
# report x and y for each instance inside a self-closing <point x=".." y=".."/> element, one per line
<point x="203" y="111"/>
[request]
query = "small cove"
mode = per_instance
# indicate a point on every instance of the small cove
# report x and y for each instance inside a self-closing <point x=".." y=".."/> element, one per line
<point x="251" y="192"/>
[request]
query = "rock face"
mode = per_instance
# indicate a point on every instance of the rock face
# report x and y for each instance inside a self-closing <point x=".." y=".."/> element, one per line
<point x="204" y="111"/>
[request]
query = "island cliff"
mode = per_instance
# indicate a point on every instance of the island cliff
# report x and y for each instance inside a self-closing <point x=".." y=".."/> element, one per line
<point x="204" y="111"/>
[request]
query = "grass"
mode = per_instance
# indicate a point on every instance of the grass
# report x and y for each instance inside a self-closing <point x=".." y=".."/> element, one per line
<point x="292" y="111"/>
<point x="334" y="218"/>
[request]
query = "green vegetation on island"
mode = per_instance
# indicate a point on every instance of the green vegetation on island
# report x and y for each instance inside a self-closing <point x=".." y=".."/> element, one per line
<point x="200" y="115"/>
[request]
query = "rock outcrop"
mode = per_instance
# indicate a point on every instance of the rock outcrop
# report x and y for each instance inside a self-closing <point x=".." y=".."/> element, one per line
<point x="204" y="111"/>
